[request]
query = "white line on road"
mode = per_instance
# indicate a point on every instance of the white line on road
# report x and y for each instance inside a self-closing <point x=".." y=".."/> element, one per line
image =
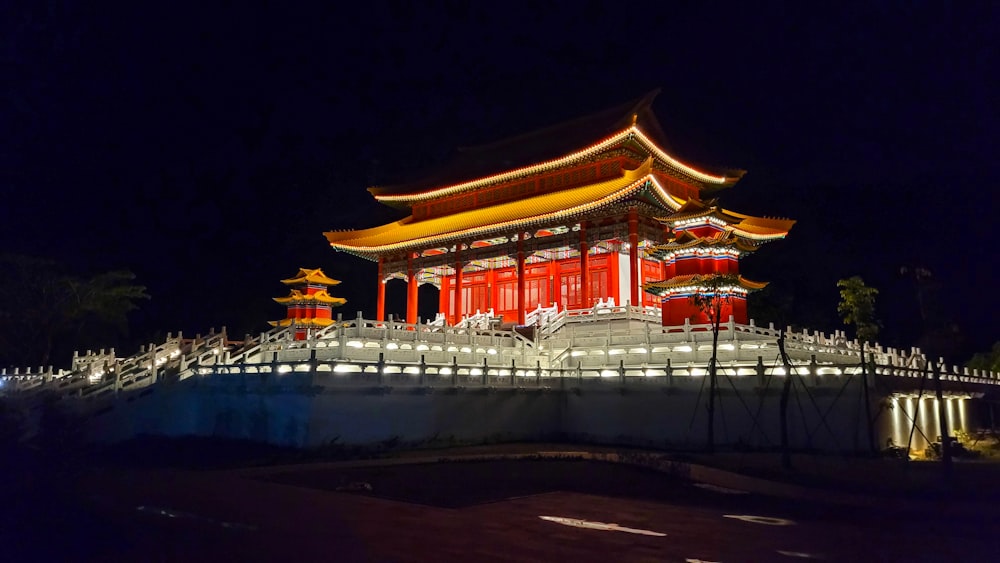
<point x="767" y="520"/>
<point x="577" y="523"/>
<point x="798" y="554"/>
<point x="170" y="513"/>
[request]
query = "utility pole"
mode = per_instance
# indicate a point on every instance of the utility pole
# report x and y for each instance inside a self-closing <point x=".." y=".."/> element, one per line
<point x="867" y="399"/>
<point x="786" y="456"/>
<point x="717" y="312"/>
<point x="943" y="420"/>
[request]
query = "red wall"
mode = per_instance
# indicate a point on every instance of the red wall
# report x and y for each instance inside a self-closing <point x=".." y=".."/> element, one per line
<point x="545" y="283"/>
<point x="680" y="308"/>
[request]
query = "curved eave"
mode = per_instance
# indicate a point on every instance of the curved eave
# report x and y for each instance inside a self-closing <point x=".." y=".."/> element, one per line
<point x="758" y="233"/>
<point x="749" y="222"/>
<point x="315" y="276"/>
<point x="718" y="181"/>
<point x="696" y="282"/>
<point x="310" y="300"/>
<point x="505" y="217"/>
<point x="631" y="132"/>
<point x="663" y="250"/>
<point x="686" y="216"/>
<point x="742" y="225"/>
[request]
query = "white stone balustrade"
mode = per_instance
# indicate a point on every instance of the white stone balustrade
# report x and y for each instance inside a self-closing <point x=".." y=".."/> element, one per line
<point x="607" y="340"/>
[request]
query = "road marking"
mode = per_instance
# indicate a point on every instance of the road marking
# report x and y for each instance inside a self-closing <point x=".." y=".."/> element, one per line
<point x="767" y="520"/>
<point x="168" y="513"/>
<point x="718" y="489"/>
<point x="798" y="554"/>
<point x="577" y="523"/>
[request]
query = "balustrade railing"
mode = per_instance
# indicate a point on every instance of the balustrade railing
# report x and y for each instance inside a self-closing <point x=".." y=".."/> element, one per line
<point x="459" y="374"/>
<point x="566" y="341"/>
<point x="481" y="321"/>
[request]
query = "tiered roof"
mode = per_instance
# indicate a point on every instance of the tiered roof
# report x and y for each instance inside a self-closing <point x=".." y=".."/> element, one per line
<point x="686" y="241"/>
<point x="552" y="147"/>
<point x="692" y="283"/>
<point x="318" y="300"/>
<point x="310" y="276"/>
<point x="745" y="226"/>
<point x="729" y="233"/>
<point x="446" y="212"/>
<point x="320" y="297"/>
<point x="496" y="219"/>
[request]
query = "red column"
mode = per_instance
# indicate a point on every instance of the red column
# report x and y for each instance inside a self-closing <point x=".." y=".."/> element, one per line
<point x="491" y="288"/>
<point x="458" y="283"/>
<point x="520" y="279"/>
<point x="584" y="268"/>
<point x="666" y="272"/>
<point x="444" y="295"/>
<point x="380" y="306"/>
<point x="633" y="256"/>
<point x="613" y="289"/>
<point x="553" y="283"/>
<point x="411" y="290"/>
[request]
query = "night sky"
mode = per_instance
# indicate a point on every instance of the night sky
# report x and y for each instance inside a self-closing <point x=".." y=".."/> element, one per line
<point x="207" y="148"/>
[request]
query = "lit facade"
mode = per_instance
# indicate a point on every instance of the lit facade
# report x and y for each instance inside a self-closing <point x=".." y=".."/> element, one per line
<point x="567" y="217"/>
<point x="702" y="257"/>
<point x="543" y="223"/>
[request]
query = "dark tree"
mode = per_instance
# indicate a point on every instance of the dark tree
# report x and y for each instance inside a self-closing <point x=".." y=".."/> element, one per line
<point x="940" y="336"/>
<point x="989" y="361"/>
<point x="857" y="307"/>
<point x="45" y="312"/>
<point x="711" y="302"/>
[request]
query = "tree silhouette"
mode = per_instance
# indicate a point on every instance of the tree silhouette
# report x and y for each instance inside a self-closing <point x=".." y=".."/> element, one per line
<point x="940" y="336"/>
<point x="45" y="312"/>
<point x="857" y="307"/>
<point x="710" y="301"/>
<point x="989" y="361"/>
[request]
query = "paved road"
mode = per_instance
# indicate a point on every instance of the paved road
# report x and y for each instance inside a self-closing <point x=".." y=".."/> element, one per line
<point x="472" y="511"/>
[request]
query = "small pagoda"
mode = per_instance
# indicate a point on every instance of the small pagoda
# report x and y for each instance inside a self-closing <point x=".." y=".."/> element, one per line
<point x="310" y="305"/>
<point x="701" y="258"/>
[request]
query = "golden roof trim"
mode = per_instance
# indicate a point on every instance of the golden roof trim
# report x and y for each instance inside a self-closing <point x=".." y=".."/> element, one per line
<point x="700" y="280"/>
<point x="686" y="240"/>
<point x="321" y="296"/>
<point x="631" y="132"/>
<point x="749" y="226"/>
<point x="315" y="276"/>
<point x="524" y="213"/>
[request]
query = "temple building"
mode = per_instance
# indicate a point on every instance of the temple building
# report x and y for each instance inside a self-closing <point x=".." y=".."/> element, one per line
<point x="591" y="211"/>
<point x="557" y="255"/>
<point x="702" y="256"/>
<point x="309" y="303"/>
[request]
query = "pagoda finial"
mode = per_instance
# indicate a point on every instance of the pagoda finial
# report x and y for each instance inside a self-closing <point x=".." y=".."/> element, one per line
<point x="635" y="117"/>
